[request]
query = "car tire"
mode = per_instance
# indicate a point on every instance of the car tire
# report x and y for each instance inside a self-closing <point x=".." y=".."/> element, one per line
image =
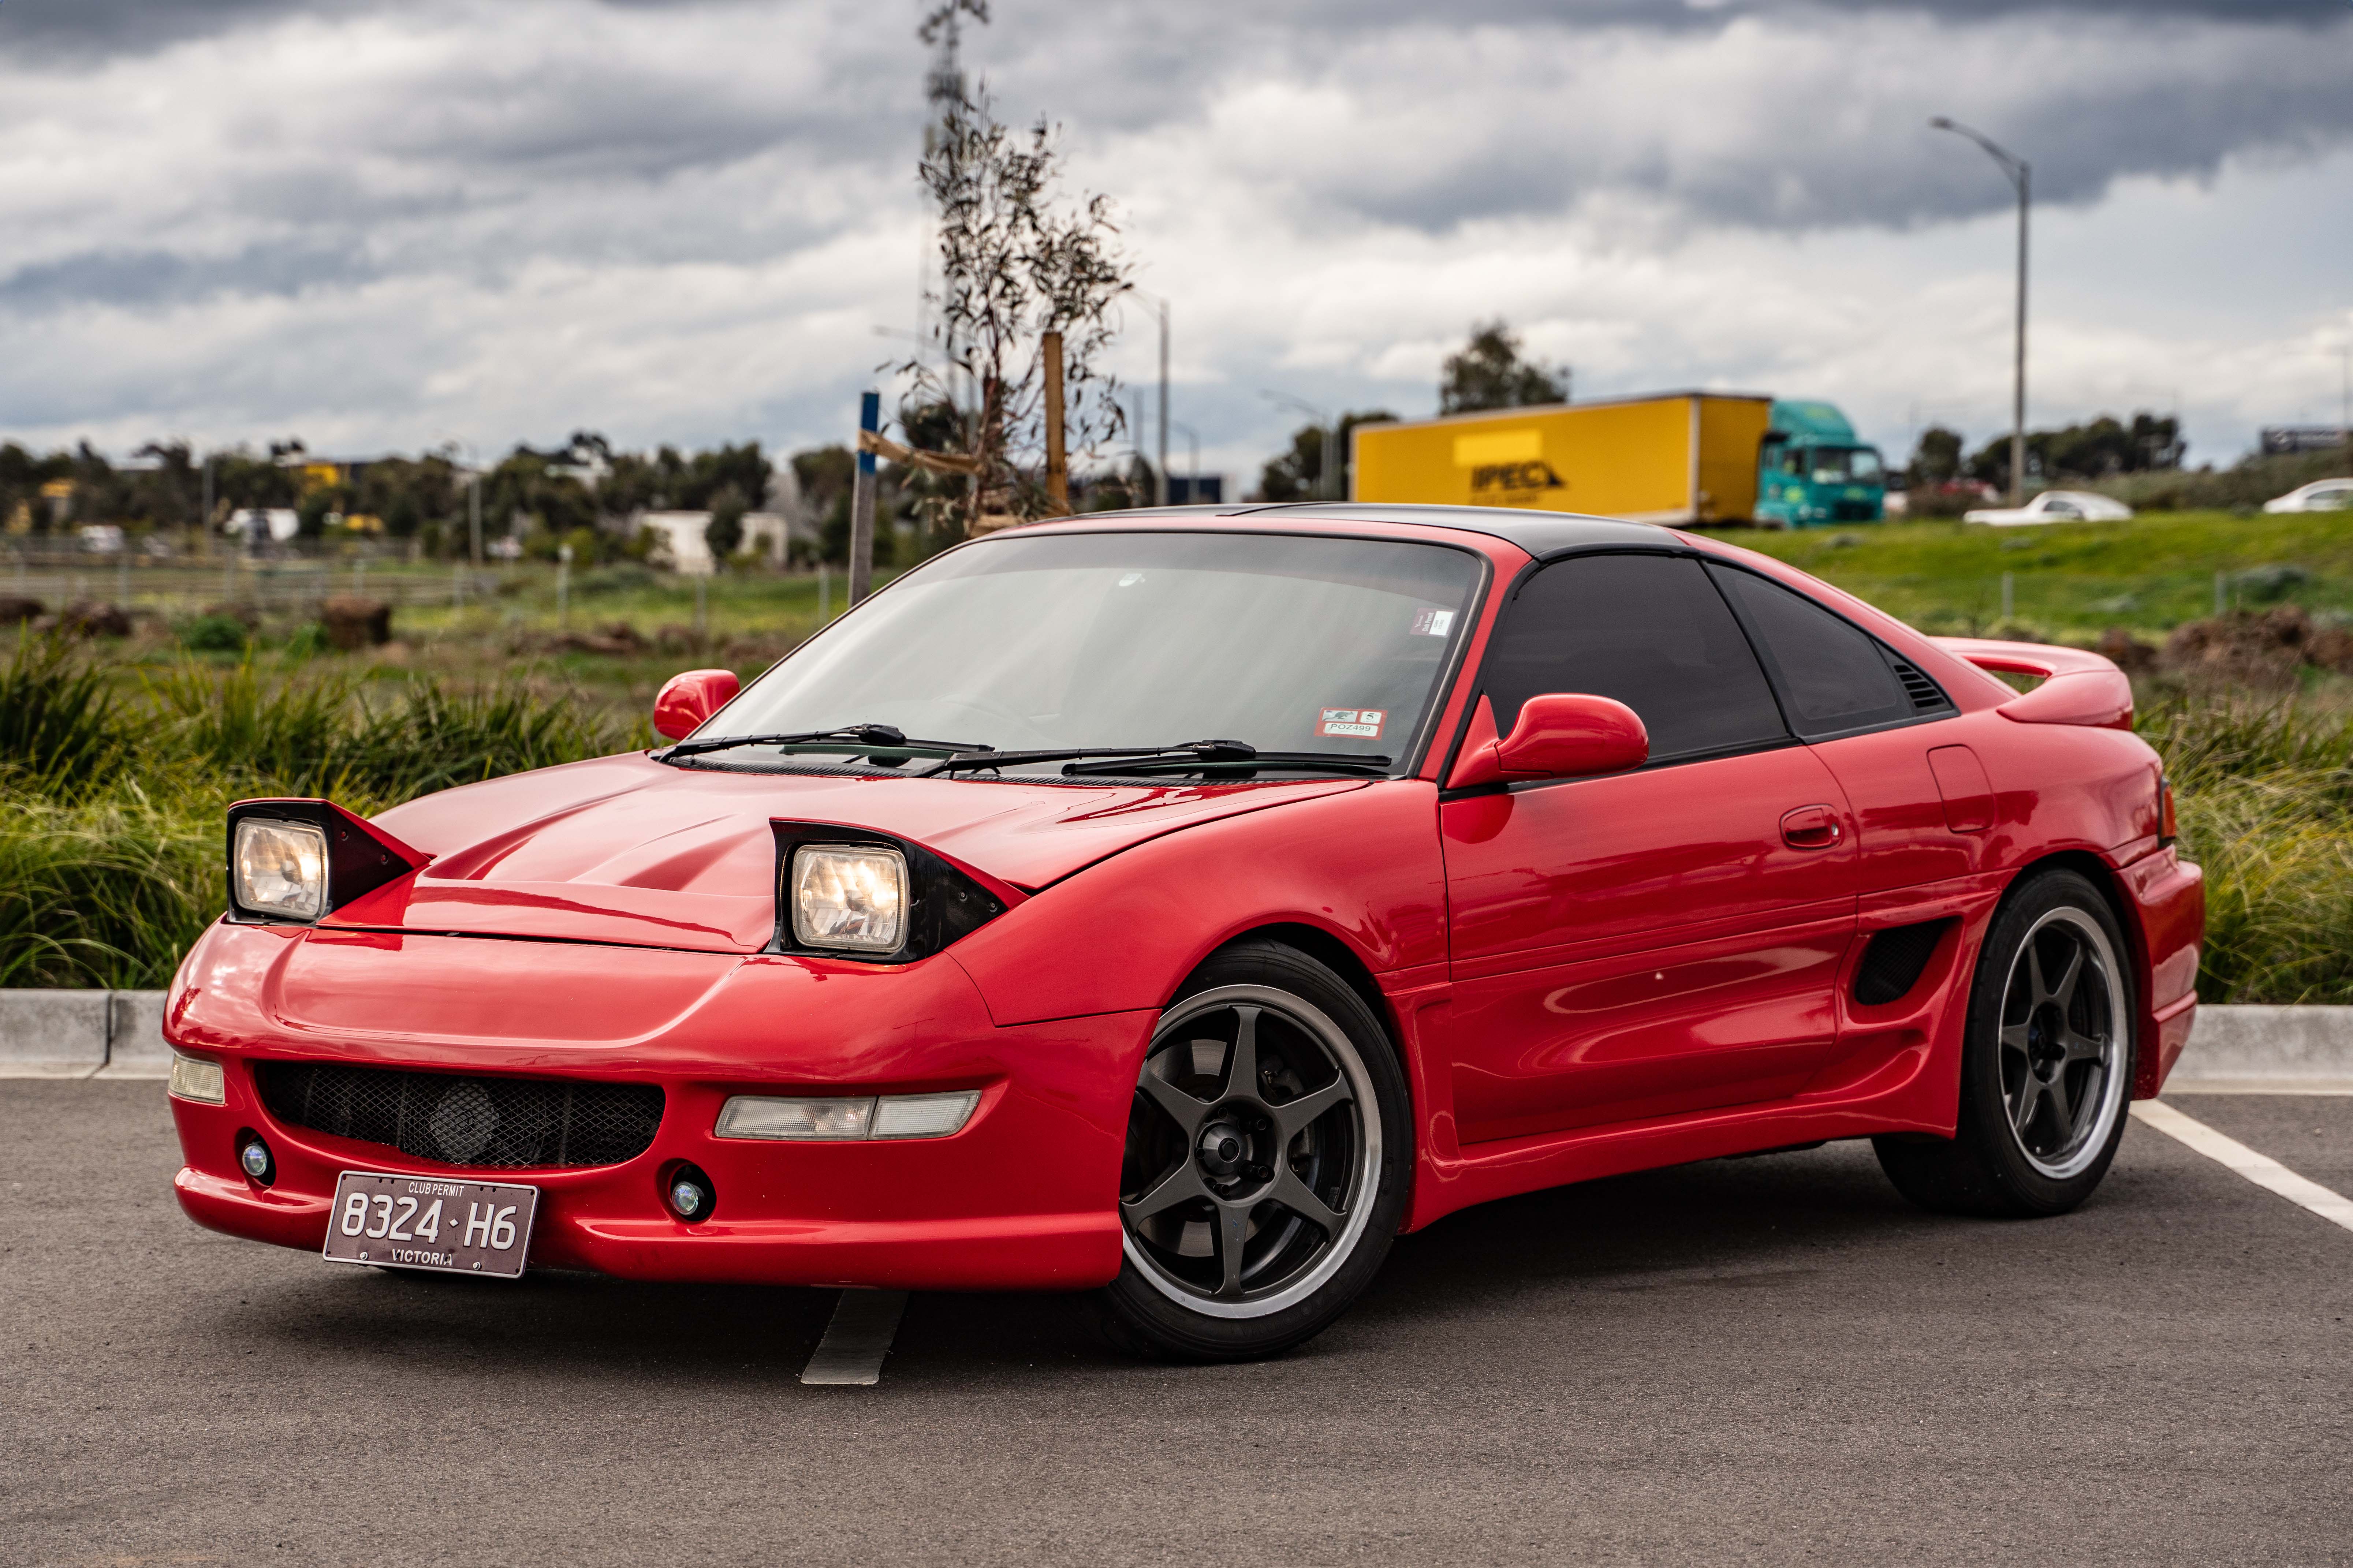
<point x="2047" y="1062"/>
<point x="1269" y="1156"/>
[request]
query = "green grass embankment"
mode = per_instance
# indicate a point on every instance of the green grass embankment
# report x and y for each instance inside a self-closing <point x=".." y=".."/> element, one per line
<point x="2073" y="581"/>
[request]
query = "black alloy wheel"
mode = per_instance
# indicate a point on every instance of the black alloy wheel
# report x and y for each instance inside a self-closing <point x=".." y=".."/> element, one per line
<point x="2046" y="1066"/>
<point x="1266" y="1152"/>
<point x="2060" y="1035"/>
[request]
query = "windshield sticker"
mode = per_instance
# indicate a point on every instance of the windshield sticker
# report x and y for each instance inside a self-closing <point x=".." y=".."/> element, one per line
<point x="1354" y="723"/>
<point x="1432" y="623"/>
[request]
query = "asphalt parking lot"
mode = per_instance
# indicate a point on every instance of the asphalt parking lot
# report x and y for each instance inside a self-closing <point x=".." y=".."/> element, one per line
<point x="1770" y="1359"/>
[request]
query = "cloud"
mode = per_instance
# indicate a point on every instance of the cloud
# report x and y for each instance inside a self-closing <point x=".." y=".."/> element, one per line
<point x="84" y="27"/>
<point x="384" y="223"/>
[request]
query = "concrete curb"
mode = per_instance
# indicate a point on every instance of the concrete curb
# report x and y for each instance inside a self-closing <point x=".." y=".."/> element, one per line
<point x="53" y="1034"/>
<point x="2234" y="1050"/>
<point x="2256" y="1050"/>
<point x="134" y="1036"/>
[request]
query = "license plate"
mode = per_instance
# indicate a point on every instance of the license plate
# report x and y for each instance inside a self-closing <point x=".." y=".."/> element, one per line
<point x="427" y="1222"/>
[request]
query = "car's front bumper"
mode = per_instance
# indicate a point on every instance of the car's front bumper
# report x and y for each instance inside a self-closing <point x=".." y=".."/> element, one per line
<point x="1023" y="1197"/>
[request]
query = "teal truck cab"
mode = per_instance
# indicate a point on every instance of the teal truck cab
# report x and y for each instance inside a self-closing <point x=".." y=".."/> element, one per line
<point x="1811" y="471"/>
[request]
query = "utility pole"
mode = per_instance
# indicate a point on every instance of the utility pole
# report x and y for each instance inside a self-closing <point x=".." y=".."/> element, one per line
<point x="1058" y="467"/>
<point x="861" y="501"/>
<point x="474" y="514"/>
<point x="1329" y="483"/>
<point x="2021" y="176"/>
<point x="1193" y="468"/>
<point x="1163" y="403"/>
<point x="2345" y="394"/>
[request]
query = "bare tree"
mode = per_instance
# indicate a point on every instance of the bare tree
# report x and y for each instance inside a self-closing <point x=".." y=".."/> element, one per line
<point x="1016" y="261"/>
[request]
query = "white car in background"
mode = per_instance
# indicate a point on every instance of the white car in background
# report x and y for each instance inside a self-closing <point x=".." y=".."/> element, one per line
<point x="2054" y="506"/>
<point x="2321" y="495"/>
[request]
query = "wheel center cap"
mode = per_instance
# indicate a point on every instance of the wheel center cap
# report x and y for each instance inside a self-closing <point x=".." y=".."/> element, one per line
<point x="2045" y="1046"/>
<point x="1224" y="1148"/>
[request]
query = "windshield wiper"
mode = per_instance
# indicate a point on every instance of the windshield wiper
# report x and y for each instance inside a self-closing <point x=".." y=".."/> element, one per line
<point x="885" y="737"/>
<point x="1298" y="761"/>
<point x="1190" y="756"/>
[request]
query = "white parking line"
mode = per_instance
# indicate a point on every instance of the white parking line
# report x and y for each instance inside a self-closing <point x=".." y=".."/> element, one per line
<point x="2260" y="1168"/>
<point x="864" y="1322"/>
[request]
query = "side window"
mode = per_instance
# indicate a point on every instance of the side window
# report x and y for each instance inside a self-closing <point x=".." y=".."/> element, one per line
<point x="1834" y="676"/>
<point x="1647" y="630"/>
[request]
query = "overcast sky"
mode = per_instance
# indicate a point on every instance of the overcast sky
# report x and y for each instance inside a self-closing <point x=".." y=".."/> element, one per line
<point x="388" y="226"/>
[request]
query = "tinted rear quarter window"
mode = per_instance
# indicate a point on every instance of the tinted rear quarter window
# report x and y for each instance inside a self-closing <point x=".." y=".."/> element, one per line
<point x="1832" y="674"/>
<point x="1648" y="630"/>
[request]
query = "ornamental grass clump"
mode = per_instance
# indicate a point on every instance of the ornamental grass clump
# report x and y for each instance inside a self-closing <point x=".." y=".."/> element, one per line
<point x="2263" y="790"/>
<point x="113" y="790"/>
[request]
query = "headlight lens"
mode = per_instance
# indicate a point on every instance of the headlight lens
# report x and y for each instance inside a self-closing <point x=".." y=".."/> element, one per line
<point x="280" y="869"/>
<point x="852" y="896"/>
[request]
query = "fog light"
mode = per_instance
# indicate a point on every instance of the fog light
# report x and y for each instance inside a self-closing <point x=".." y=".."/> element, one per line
<point x="253" y="1156"/>
<point x="691" y="1196"/>
<point x="192" y="1078"/>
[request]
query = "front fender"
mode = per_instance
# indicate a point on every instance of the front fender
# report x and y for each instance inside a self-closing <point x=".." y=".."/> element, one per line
<point x="1364" y="867"/>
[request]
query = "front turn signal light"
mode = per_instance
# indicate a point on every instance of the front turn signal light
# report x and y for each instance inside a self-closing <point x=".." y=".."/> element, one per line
<point x="195" y="1079"/>
<point x="846" y="1120"/>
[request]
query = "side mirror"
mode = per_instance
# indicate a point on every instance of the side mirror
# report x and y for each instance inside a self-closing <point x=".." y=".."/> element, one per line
<point x="687" y="699"/>
<point x="1563" y="735"/>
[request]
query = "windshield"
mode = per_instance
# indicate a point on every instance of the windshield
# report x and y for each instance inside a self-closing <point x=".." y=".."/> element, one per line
<point x="1288" y="644"/>
<point x="1838" y="465"/>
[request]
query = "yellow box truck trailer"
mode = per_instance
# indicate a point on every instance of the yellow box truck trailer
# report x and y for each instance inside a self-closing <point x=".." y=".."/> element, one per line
<point x="1678" y="457"/>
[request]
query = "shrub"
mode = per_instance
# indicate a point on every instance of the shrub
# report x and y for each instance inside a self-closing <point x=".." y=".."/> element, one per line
<point x="106" y="895"/>
<point x="214" y="634"/>
<point x="107" y="871"/>
<point x="58" y="712"/>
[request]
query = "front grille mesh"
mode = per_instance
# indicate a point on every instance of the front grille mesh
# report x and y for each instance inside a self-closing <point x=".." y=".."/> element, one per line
<point x="462" y="1119"/>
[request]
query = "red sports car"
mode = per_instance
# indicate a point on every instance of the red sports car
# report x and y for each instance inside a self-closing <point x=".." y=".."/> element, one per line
<point x="1180" y="905"/>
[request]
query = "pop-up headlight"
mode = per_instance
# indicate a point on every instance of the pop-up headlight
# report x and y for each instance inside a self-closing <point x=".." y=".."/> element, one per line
<point x="847" y="892"/>
<point x="280" y="869"/>
<point x="849" y="896"/>
<point x="292" y="860"/>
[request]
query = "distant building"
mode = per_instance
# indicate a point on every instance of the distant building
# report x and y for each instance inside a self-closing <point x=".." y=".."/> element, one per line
<point x="324" y="473"/>
<point x="263" y="525"/>
<point x="1205" y="489"/>
<point x="685" y="549"/>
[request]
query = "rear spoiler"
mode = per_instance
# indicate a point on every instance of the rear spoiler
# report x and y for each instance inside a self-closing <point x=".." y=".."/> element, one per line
<point x="2079" y="686"/>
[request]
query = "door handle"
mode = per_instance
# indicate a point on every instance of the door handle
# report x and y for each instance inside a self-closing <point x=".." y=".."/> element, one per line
<point x="1811" y="827"/>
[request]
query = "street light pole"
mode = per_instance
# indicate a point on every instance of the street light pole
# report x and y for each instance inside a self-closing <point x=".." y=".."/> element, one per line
<point x="1193" y="468"/>
<point x="2021" y="177"/>
<point x="1160" y="312"/>
<point x="1328" y="476"/>
<point x="1163" y="403"/>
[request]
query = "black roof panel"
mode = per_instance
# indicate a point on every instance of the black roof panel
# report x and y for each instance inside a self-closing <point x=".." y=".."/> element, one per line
<point x="1540" y="533"/>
